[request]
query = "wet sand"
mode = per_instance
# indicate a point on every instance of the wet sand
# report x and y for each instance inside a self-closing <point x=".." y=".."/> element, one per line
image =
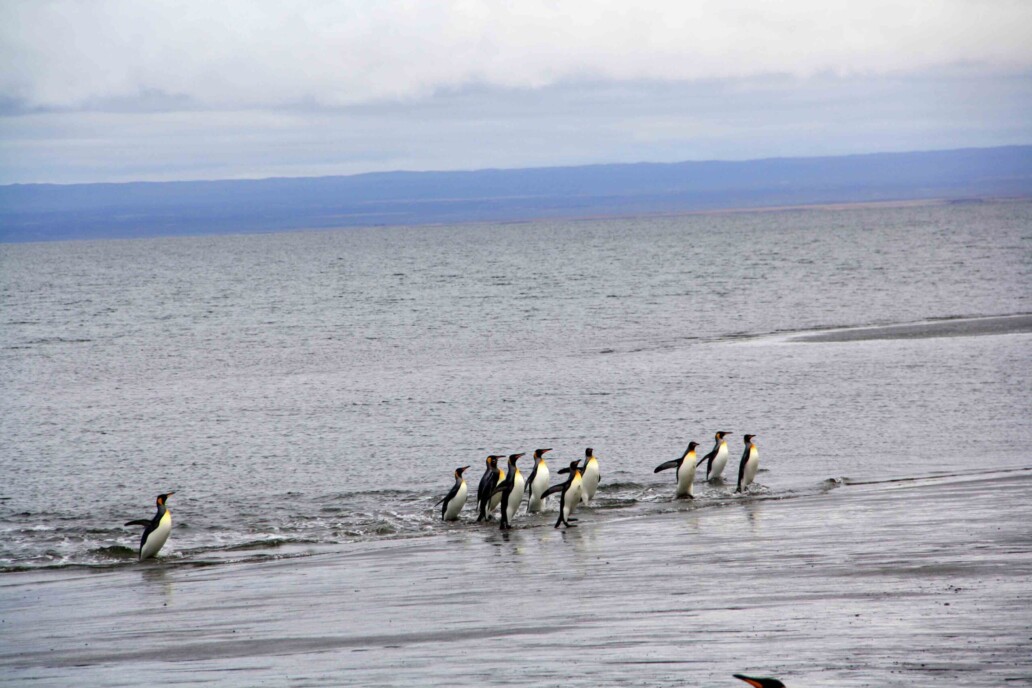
<point x="960" y="327"/>
<point x="903" y="583"/>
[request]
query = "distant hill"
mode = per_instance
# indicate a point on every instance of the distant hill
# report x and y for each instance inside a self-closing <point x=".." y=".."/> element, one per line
<point x="43" y="212"/>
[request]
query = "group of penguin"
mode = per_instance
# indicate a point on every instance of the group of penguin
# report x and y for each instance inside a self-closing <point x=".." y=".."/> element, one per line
<point x="500" y="488"/>
<point x="505" y="488"/>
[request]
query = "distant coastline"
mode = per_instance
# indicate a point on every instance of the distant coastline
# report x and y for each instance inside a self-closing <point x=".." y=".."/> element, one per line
<point x="46" y="212"/>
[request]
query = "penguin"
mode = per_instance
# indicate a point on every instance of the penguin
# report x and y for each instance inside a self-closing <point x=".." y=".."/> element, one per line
<point x="156" y="530"/>
<point x="750" y="462"/>
<point x="590" y="476"/>
<point x="487" y="485"/>
<point x="716" y="459"/>
<point x="570" y="492"/>
<point x="452" y="503"/>
<point x="760" y="682"/>
<point x="685" y="471"/>
<point x="511" y="491"/>
<point x="538" y="481"/>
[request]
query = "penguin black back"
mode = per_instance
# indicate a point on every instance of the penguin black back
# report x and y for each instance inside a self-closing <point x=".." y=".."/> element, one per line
<point x="487" y="485"/>
<point x="506" y="489"/>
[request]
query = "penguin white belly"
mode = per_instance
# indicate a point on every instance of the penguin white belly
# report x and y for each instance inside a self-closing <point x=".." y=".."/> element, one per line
<point x="686" y="478"/>
<point x="537" y="488"/>
<point x="516" y="496"/>
<point x="589" y="482"/>
<point x="456" y="504"/>
<point x="574" y="496"/>
<point x="719" y="462"/>
<point x="157" y="537"/>
<point x="750" y="468"/>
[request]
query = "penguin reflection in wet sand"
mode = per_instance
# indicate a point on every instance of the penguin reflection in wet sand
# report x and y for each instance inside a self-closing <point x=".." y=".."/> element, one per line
<point x="452" y="503"/>
<point x="511" y="491"/>
<point x="570" y="492"/>
<point x="760" y="682"/>
<point x="750" y="462"/>
<point x="716" y="459"/>
<point x="156" y="530"/>
<point x="538" y="481"/>
<point x="685" y="471"/>
<point x="487" y="485"/>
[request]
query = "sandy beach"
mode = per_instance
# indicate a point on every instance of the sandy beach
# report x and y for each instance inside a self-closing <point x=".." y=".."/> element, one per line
<point x="874" y="584"/>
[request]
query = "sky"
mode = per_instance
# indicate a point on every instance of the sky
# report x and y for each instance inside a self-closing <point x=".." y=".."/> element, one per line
<point x="105" y="90"/>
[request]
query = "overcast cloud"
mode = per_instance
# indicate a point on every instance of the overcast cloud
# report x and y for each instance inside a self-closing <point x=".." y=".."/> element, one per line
<point x="101" y="90"/>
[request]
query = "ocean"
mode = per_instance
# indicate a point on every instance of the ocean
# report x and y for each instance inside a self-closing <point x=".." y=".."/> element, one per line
<point x="307" y="395"/>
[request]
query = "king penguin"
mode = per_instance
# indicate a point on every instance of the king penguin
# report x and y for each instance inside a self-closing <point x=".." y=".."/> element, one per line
<point x="496" y="497"/>
<point x="750" y="462"/>
<point x="487" y="486"/>
<point x="538" y="481"/>
<point x="716" y="459"/>
<point x="760" y="682"/>
<point x="685" y="471"/>
<point x="511" y="491"/>
<point x="570" y="492"/>
<point x="590" y="476"/>
<point x="156" y="530"/>
<point x="452" y="503"/>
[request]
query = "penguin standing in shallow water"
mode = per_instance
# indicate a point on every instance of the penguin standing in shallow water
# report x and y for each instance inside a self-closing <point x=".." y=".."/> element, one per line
<point x="487" y="486"/>
<point x="590" y="476"/>
<point x="750" y="462"/>
<point x="538" y="482"/>
<point x="453" y="502"/>
<point x="496" y="497"/>
<point x="716" y="459"/>
<point x="511" y="491"/>
<point x="570" y="492"/>
<point x="685" y="471"/>
<point x="156" y="530"/>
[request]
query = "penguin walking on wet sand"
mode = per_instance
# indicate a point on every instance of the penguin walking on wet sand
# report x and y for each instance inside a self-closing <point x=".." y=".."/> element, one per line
<point x="716" y="460"/>
<point x="750" y="462"/>
<point x="685" y="471"/>
<point x="760" y="682"/>
<point x="487" y="485"/>
<point x="156" y="530"/>
<point x="496" y="497"/>
<point x="570" y="492"/>
<point x="538" y="482"/>
<point x="452" y="503"/>
<point x="511" y="491"/>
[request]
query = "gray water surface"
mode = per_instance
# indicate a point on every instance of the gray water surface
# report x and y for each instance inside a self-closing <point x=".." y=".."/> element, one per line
<point x="308" y="396"/>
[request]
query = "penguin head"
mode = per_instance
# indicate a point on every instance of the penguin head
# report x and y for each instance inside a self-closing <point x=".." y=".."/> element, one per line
<point x="588" y="453"/>
<point x="574" y="466"/>
<point x="162" y="498"/>
<point x="540" y="453"/>
<point x="459" y="470"/>
<point x="760" y="682"/>
<point x="722" y="434"/>
<point x="692" y="446"/>
<point x="748" y="439"/>
<point x="513" y="457"/>
<point x="492" y="460"/>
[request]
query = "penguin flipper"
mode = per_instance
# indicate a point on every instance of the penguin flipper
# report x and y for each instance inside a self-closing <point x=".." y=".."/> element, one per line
<point x="139" y="522"/>
<point x="564" y="471"/>
<point x="552" y="490"/>
<point x="672" y="463"/>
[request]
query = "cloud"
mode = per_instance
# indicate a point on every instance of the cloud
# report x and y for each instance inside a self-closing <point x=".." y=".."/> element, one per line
<point x="255" y="54"/>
